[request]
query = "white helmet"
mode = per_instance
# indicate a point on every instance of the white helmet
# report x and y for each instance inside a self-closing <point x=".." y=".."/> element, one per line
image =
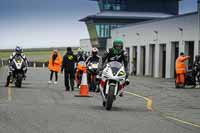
<point x="94" y="51"/>
<point x="80" y="51"/>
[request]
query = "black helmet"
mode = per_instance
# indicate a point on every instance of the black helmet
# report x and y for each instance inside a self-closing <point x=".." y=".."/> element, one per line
<point x="182" y="53"/>
<point x="69" y="49"/>
<point x="18" y="50"/>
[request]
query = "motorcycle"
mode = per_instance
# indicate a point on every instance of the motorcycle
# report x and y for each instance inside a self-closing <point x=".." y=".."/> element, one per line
<point x="79" y="72"/>
<point x="112" y="83"/>
<point x="18" y="69"/>
<point x="92" y="74"/>
<point x="192" y="78"/>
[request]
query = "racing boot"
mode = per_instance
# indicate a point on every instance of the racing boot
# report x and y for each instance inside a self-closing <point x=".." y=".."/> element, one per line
<point x="127" y="82"/>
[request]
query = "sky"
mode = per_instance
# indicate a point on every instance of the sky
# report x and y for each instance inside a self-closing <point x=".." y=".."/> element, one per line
<point x="49" y="23"/>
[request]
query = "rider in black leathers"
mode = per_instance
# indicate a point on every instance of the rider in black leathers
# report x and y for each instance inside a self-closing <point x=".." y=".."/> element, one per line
<point x="18" y="52"/>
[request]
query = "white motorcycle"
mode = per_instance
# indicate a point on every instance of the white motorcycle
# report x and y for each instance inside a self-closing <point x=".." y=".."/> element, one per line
<point x="112" y="84"/>
<point x="18" y="69"/>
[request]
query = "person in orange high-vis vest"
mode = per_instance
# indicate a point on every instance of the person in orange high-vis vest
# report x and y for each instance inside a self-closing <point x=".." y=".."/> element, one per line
<point x="54" y="65"/>
<point x="181" y="69"/>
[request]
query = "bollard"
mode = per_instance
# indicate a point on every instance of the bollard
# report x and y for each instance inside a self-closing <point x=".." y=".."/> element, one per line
<point x="43" y="65"/>
<point x="34" y="65"/>
<point x="1" y="62"/>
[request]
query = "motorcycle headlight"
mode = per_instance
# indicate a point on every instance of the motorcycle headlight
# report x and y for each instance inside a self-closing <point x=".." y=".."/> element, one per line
<point x="121" y="73"/>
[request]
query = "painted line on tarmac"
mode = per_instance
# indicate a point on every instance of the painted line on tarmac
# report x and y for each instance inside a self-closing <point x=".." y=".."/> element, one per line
<point x="167" y="116"/>
<point x="148" y="100"/>
<point x="183" y="121"/>
<point x="137" y="95"/>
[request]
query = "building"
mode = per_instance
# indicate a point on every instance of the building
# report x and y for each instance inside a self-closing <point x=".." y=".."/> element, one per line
<point x="117" y="13"/>
<point x="155" y="44"/>
<point x="86" y="45"/>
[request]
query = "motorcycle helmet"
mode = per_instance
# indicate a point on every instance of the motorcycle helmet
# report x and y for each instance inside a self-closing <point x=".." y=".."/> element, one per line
<point x="80" y="51"/>
<point x="18" y="50"/>
<point x="117" y="46"/>
<point x="94" y="51"/>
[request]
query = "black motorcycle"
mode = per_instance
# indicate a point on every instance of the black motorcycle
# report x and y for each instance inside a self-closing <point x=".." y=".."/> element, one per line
<point x="189" y="80"/>
<point x="92" y="76"/>
<point x="18" y="68"/>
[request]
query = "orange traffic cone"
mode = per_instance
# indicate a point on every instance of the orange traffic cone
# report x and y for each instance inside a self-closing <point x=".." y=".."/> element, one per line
<point x="84" y="91"/>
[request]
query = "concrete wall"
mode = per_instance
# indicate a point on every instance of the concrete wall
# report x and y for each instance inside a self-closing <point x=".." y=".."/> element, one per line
<point x="179" y="29"/>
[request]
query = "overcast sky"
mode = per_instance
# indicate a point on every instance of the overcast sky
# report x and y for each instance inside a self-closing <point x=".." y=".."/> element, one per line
<point x="47" y="23"/>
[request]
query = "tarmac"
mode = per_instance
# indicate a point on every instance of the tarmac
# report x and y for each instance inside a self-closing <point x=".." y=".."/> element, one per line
<point x="39" y="107"/>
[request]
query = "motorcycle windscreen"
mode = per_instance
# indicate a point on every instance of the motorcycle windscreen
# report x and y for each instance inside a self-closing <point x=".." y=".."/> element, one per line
<point x="115" y="67"/>
<point x="18" y="59"/>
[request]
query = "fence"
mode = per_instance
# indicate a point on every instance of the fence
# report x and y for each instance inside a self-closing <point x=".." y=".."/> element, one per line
<point x="30" y="64"/>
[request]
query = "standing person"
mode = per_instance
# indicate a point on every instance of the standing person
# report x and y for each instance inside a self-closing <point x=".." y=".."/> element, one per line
<point x="181" y="69"/>
<point x="134" y="66"/>
<point x="196" y="71"/>
<point x="54" y="65"/>
<point x="68" y="64"/>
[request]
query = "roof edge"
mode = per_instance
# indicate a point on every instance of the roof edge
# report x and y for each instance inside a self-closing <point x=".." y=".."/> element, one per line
<point x="158" y="19"/>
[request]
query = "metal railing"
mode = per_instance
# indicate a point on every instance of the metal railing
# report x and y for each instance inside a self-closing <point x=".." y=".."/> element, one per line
<point x="30" y="64"/>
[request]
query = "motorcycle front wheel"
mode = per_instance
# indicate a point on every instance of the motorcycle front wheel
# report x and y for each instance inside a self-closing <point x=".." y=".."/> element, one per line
<point x="18" y="84"/>
<point x="110" y="97"/>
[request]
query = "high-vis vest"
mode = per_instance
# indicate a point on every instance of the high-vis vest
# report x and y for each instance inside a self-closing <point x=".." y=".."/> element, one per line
<point x="55" y="65"/>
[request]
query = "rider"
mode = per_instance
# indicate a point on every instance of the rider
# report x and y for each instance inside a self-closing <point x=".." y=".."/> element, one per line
<point x="93" y="58"/>
<point x="116" y="53"/>
<point x="18" y="52"/>
<point x="80" y="55"/>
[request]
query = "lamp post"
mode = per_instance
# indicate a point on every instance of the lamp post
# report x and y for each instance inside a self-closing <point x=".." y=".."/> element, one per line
<point x="198" y="26"/>
<point x="138" y="72"/>
<point x="181" y="40"/>
<point x="138" y="37"/>
<point x="124" y="39"/>
<point x="156" y="39"/>
<point x="157" y="56"/>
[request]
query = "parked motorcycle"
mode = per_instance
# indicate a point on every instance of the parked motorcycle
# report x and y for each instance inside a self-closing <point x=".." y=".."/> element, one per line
<point x="18" y="69"/>
<point x="112" y="83"/>
<point x="92" y="75"/>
